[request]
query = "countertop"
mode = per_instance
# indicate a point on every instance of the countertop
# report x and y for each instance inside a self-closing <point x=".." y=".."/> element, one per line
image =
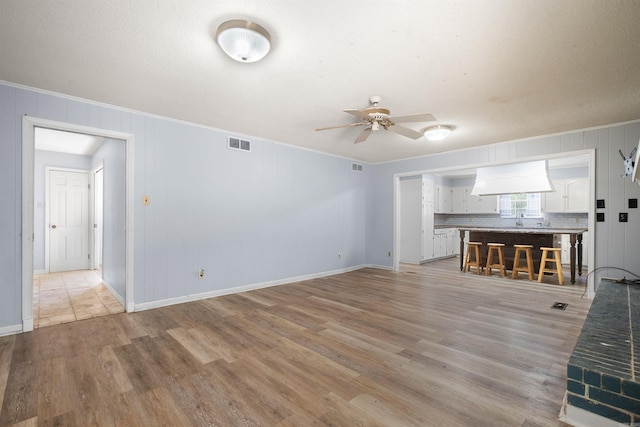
<point x="536" y="230"/>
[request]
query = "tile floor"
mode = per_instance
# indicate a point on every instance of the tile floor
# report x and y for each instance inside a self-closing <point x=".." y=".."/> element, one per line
<point x="69" y="296"/>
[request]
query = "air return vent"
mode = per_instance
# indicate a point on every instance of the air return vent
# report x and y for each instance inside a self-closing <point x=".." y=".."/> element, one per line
<point x="356" y="167"/>
<point x="239" y="144"/>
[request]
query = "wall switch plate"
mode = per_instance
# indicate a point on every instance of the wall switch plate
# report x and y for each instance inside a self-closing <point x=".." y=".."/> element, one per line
<point x="600" y="217"/>
<point x="633" y="203"/>
<point x="622" y="217"/>
<point x="600" y="203"/>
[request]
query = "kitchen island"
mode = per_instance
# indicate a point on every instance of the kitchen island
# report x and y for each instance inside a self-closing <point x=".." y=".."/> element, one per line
<point x="536" y="237"/>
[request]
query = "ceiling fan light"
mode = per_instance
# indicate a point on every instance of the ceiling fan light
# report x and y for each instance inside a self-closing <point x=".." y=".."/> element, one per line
<point x="438" y="132"/>
<point x="244" y="41"/>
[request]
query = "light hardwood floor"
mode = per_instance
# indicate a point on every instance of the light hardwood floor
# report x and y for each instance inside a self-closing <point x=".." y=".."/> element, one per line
<point x="427" y="346"/>
<point x="69" y="296"/>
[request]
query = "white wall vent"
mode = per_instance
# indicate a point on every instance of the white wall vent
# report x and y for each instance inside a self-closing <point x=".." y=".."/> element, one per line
<point x="356" y="167"/>
<point x="239" y="144"/>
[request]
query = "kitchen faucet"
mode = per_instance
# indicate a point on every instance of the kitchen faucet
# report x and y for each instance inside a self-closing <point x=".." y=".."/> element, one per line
<point x="519" y="221"/>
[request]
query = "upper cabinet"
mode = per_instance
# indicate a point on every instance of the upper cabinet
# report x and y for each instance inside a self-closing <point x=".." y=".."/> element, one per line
<point x="428" y="190"/>
<point x="481" y="204"/>
<point x="571" y="195"/>
<point x="464" y="202"/>
<point x="442" y="198"/>
<point x="459" y="199"/>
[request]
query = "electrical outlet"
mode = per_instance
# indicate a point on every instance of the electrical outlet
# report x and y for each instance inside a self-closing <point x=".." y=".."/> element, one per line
<point x="201" y="273"/>
<point x="622" y="217"/>
<point x="339" y="255"/>
<point x="389" y="254"/>
<point x="145" y="200"/>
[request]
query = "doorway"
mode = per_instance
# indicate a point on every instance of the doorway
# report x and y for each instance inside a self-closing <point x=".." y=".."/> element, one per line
<point x="70" y="287"/>
<point x="125" y="192"/>
<point x="564" y="159"/>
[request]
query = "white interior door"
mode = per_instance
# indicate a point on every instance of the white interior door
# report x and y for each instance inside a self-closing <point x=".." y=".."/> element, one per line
<point x="68" y="220"/>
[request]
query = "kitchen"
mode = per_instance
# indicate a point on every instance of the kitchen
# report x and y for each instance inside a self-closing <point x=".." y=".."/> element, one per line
<point x="435" y="206"/>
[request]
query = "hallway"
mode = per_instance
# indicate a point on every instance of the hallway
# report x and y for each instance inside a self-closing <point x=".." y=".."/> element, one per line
<point x="70" y="296"/>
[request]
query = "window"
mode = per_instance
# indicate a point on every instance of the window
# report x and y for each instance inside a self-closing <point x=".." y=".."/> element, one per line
<point x="520" y="205"/>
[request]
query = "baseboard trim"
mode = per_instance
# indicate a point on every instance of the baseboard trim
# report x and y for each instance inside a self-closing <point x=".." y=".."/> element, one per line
<point x="380" y="267"/>
<point x="40" y="272"/>
<point x="113" y="292"/>
<point x="10" y="330"/>
<point x="195" y="297"/>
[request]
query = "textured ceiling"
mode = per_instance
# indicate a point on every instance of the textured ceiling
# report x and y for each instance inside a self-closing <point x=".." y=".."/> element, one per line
<point x="497" y="70"/>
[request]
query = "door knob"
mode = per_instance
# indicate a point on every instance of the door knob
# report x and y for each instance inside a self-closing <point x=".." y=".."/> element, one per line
<point x="53" y="226"/>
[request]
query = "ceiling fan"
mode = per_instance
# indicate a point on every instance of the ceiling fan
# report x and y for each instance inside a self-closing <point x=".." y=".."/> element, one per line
<point x="376" y="117"/>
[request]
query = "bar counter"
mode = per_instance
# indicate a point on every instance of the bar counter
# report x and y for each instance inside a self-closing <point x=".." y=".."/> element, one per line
<point x="542" y="236"/>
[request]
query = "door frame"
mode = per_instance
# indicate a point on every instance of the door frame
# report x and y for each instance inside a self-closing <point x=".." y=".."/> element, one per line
<point x="93" y="243"/>
<point x="28" y="154"/>
<point x="47" y="228"/>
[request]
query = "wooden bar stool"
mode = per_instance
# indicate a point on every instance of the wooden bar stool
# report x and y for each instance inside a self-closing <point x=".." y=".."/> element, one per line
<point x="516" y="261"/>
<point x="499" y="251"/>
<point x="543" y="264"/>
<point x="473" y="247"/>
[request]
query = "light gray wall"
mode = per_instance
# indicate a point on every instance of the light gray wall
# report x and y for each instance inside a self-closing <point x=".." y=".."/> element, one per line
<point x="411" y="220"/>
<point x="274" y="213"/>
<point x="42" y="159"/>
<point x="617" y="244"/>
<point x="277" y="212"/>
<point x="112" y="156"/>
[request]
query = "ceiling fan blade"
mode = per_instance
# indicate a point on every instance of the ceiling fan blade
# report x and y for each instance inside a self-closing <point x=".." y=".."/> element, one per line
<point x="359" y="114"/>
<point x="342" y="126"/>
<point x="426" y="117"/>
<point x="409" y="133"/>
<point x="363" y="135"/>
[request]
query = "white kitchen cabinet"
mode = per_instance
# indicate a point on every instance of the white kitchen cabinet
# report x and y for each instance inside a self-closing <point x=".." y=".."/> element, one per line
<point x="459" y="199"/>
<point x="577" y="191"/>
<point x="428" y="190"/>
<point x="439" y="245"/>
<point x="482" y="204"/>
<point x="464" y="202"/>
<point x="456" y="242"/>
<point x="442" y="199"/>
<point x="427" y="231"/>
<point x="445" y="242"/>
<point x="571" y="195"/>
<point x="453" y="241"/>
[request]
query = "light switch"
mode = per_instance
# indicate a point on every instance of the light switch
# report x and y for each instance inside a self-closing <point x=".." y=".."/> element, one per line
<point x="145" y="200"/>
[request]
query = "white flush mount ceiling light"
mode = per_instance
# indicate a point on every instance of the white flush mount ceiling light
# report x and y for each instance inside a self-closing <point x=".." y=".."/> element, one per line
<point x="244" y="41"/>
<point x="438" y="132"/>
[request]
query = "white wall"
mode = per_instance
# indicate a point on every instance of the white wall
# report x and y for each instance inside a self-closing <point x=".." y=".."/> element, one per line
<point x="272" y="214"/>
<point x="617" y="244"/>
<point x="111" y="155"/>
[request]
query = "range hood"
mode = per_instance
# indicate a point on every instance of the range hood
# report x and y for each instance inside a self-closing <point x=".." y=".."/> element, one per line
<point x="529" y="177"/>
